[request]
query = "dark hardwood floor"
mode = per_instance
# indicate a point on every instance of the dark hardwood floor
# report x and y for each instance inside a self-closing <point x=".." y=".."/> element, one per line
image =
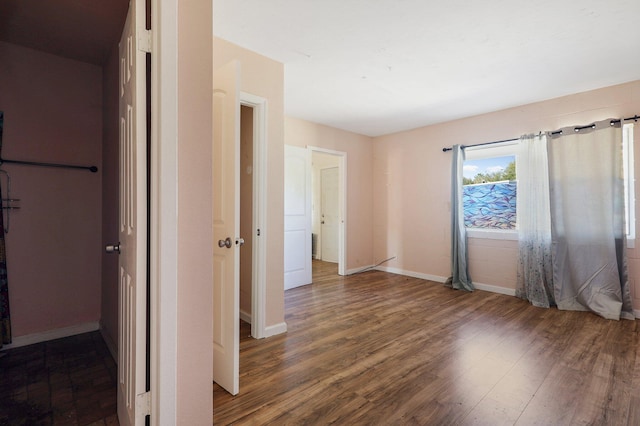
<point x="374" y="349"/>
<point x="384" y="349"/>
<point x="70" y="381"/>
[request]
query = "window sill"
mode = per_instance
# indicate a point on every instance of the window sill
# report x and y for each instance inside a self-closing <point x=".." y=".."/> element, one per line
<point x="495" y="234"/>
<point x="492" y="234"/>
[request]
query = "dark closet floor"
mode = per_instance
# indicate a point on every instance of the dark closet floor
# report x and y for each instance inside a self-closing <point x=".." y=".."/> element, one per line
<point x="70" y="381"/>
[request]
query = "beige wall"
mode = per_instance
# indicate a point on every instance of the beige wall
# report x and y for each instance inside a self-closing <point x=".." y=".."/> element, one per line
<point x="263" y="77"/>
<point x="411" y="177"/>
<point x="53" y="113"/>
<point x="360" y="195"/>
<point x="194" y="306"/>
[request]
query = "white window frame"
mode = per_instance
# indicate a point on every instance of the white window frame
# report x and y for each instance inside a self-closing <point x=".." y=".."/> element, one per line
<point x="502" y="149"/>
<point x="629" y="184"/>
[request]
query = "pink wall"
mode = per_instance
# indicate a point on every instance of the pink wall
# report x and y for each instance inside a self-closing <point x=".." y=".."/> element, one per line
<point x="53" y="113"/>
<point x="411" y="177"/>
<point x="261" y="76"/>
<point x="360" y="187"/>
<point x="194" y="307"/>
<point x="110" y="200"/>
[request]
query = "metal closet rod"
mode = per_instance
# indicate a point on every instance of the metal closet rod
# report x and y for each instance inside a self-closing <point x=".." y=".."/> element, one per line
<point x="92" y="169"/>
<point x="557" y="132"/>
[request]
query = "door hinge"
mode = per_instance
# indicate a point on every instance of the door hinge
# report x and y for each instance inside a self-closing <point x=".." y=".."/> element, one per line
<point x="144" y="40"/>
<point x="143" y="404"/>
<point x="258" y="232"/>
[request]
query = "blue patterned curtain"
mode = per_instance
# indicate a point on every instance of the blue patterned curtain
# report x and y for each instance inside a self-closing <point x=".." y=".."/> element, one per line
<point x="460" y="279"/>
<point x="535" y="270"/>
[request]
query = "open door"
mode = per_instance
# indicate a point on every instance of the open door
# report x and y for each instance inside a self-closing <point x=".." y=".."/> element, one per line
<point x="297" y="217"/>
<point x="226" y="227"/>
<point x="133" y="400"/>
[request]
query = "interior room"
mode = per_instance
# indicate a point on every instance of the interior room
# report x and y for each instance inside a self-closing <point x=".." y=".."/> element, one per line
<point x="376" y="103"/>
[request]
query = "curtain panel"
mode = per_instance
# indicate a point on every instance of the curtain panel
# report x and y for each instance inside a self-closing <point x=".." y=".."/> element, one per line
<point x="588" y="222"/>
<point x="460" y="279"/>
<point x="535" y="270"/>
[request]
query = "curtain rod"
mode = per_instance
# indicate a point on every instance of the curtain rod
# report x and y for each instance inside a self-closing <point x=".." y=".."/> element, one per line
<point x="92" y="169"/>
<point x="557" y="132"/>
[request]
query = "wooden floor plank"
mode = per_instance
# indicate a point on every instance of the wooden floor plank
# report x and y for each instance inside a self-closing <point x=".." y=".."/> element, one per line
<point x="379" y="348"/>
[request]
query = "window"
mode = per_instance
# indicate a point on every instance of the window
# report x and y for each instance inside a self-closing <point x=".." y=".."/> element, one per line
<point x="490" y="188"/>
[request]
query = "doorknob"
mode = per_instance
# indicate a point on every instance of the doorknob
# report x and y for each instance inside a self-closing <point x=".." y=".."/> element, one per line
<point x="112" y="248"/>
<point x="225" y="243"/>
<point x="240" y="241"/>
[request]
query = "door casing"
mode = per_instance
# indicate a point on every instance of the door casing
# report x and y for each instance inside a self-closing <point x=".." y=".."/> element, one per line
<point x="259" y="266"/>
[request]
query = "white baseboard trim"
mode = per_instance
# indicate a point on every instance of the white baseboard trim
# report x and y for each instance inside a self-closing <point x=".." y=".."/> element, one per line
<point x="412" y="274"/>
<point x="495" y="289"/>
<point x="111" y="345"/>
<point x="360" y="269"/>
<point x="439" y="279"/>
<point x="273" y="330"/>
<point x="479" y="286"/>
<point x="58" y="333"/>
<point x="244" y="316"/>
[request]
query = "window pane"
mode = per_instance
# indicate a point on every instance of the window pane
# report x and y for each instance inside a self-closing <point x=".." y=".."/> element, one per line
<point x="490" y="192"/>
<point x="494" y="169"/>
<point x="490" y="205"/>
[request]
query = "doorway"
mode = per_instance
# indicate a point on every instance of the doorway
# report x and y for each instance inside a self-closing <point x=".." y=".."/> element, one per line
<point x="329" y="208"/>
<point x="228" y="103"/>
<point x="246" y="210"/>
<point x="252" y="169"/>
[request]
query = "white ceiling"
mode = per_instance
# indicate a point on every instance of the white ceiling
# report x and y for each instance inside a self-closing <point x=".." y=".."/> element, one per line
<point x="381" y="66"/>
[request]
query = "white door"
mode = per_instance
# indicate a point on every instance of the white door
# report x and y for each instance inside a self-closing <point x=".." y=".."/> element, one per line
<point x="226" y="227"/>
<point x="133" y="222"/>
<point x="297" y="217"/>
<point x="329" y="217"/>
